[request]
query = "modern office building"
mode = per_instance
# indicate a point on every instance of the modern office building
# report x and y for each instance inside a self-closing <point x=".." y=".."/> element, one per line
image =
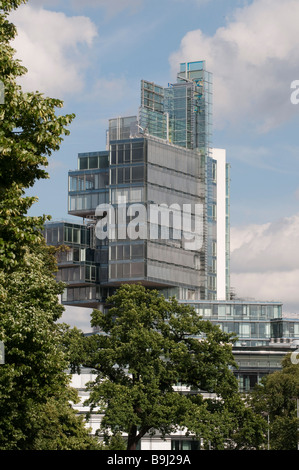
<point x="155" y="203"/>
<point x="154" y="208"/>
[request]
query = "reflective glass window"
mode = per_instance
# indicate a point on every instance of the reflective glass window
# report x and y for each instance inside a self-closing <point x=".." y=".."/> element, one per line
<point x="83" y="163"/>
<point x="93" y="162"/>
<point x="137" y="173"/>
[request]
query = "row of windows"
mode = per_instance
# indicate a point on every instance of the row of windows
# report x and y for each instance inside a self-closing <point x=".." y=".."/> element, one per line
<point x="75" y="255"/>
<point x="126" y="252"/>
<point x="80" y="202"/>
<point x="72" y="294"/>
<point x="239" y="310"/>
<point x="76" y="235"/>
<point x="126" y="270"/>
<point x="132" y="152"/>
<point x="82" y="273"/>
<point x="247" y="330"/>
<point x="285" y="329"/>
<point x="129" y="174"/>
<point x="175" y="181"/>
<point x="182" y="444"/>
<point x="92" y="161"/>
<point x="172" y="255"/>
<point x="175" y="158"/>
<point x="66" y="234"/>
<point x="126" y="195"/>
<point x="88" y="181"/>
<point x="172" y="274"/>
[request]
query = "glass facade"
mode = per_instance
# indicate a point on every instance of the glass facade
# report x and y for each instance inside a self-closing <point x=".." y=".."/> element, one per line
<point x="122" y="128"/>
<point x="82" y="262"/>
<point x="162" y="158"/>
<point x="285" y="328"/>
<point x="185" y="444"/>
<point x="253" y="364"/>
<point x="250" y="321"/>
<point x="88" y="186"/>
<point x="160" y="180"/>
<point x="181" y="113"/>
<point x="175" y="178"/>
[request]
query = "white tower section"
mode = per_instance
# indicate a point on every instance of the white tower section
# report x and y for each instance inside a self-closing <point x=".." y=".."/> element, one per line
<point x="220" y="156"/>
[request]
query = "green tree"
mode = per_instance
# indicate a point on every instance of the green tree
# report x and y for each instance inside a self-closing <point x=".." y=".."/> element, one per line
<point x="147" y="346"/>
<point x="35" y="390"/>
<point x="35" y="395"/>
<point x="276" y="398"/>
<point x="30" y="130"/>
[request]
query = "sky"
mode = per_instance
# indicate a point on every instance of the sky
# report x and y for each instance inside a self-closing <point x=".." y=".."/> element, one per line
<point x="93" y="55"/>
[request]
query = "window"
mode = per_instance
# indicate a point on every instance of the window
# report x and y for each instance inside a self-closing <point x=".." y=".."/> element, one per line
<point x="83" y="163"/>
<point x="245" y="330"/>
<point x="126" y="270"/>
<point x="137" y="173"/>
<point x="113" y="175"/>
<point x="113" y="155"/>
<point x="137" y="152"/>
<point x="127" y="175"/>
<point x="185" y="445"/>
<point x="126" y="252"/>
<point x="93" y="162"/>
<point x="127" y="153"/>
<point x="137" y="251"/>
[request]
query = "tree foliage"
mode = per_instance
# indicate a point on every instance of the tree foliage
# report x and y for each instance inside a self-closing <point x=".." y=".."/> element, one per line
<point x="276" y="397"/>
<point x="149" y="354"/>
<point x="30" y="130"/>
<point x="35" y="394"/>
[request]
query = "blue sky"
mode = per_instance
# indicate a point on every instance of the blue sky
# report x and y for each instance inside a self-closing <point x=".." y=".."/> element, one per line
<point x="93" y="54"/>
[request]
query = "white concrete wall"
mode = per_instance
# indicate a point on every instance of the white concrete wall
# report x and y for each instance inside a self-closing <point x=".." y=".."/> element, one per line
<point x="220" y="156"/>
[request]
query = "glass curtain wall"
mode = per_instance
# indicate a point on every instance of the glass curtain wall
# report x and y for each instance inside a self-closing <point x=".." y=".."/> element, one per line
<point x="251" y="322"/>
<point x="127" y="189"/>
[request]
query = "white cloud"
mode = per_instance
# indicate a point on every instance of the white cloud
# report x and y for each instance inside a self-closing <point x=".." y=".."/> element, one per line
<point x="197" y="2"/>
<point x="268" y="247"/>
<point x="78" y="317"/>
<point x="52" y="46"/>
<point x="254" y="59"/>
<point x="112" y="7"/>
<point x="265" y="261"/>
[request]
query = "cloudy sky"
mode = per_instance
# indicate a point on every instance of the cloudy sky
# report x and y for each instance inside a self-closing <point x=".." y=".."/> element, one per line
<point x="93" y="54"/>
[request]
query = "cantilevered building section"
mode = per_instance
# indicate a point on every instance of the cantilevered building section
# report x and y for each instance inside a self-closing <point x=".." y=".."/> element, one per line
<point x="155" y="201"/>
<point x="153" y="207"/>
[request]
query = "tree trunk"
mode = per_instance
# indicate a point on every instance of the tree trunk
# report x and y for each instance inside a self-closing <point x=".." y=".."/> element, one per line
<point x="132" y="438"/>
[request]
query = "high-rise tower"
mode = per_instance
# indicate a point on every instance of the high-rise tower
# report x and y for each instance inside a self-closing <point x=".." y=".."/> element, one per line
<point x="153" y="207"/>
<point x="155" y="203"/>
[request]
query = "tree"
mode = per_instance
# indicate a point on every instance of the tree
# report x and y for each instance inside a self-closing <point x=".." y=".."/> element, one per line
<point x="276" y="397"/>
<point x="147" y="346"/>
<point x="30" y="131"/>
<point x="35" y="395"/>
<point x="35" y="392"/>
